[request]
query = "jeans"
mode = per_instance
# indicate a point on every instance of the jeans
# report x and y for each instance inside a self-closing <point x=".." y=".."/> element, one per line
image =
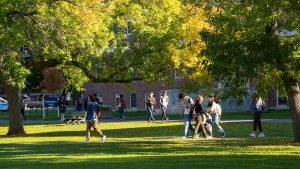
<point x="187" y="124"/>
<point x="150" y="114"/>
<point x="121" y="112"/>
<point x="215" y="121"/>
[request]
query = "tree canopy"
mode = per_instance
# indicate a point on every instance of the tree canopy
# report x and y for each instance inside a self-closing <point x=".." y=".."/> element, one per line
<point x="102" y="41"/>
<point x="258" y="40"/>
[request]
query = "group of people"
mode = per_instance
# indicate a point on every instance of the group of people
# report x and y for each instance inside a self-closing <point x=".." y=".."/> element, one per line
<point x="151" y="102"/>
<point x="204" y="118"/>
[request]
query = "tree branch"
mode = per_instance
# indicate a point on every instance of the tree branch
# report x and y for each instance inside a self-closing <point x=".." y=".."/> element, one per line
<point x="86" y="71"/>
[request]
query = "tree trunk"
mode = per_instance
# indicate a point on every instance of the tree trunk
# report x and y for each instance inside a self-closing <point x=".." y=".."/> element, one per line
<point x="293" y="92"/>
<point x="15" y="117"/>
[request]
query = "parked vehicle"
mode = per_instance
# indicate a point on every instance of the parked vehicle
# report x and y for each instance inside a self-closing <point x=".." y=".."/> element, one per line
<point x="3" y="105"/>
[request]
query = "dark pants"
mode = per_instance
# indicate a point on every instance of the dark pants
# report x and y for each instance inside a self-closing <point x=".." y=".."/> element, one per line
<point x="257" y="122"/>
<point x="121" y="112"/>
<point x="23" y="113"/>
<point x="200" y="120"/>
<point x="164" y="113"/>
<point x="62" y="109"/>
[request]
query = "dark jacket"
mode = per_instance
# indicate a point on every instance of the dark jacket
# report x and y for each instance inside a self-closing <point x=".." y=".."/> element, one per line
<point x="196" y="111"/>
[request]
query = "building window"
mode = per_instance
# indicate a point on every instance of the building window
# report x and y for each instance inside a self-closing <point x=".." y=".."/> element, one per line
<point x="132" y="100"/>
<point x="117" y="99"/>
<point x="173" y="97"/>
<point x="176" y="75"/>
<point x="281" y="98"/>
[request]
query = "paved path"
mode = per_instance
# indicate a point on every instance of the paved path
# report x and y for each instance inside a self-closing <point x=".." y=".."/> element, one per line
<point x="117" y="120"/>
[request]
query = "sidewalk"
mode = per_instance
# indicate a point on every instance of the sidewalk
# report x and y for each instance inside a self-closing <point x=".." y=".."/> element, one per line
<point x="117" y="120"/>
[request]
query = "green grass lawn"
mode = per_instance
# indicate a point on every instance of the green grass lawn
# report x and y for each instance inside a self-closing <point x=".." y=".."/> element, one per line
<point x="148" y="145"/>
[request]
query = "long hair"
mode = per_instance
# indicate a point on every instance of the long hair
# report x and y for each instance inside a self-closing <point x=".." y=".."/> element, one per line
<point x="199" y="99"/>
<point x="92" y="98"/>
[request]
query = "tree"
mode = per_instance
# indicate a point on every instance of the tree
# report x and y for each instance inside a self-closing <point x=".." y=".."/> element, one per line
<point x="54" y="80"/>
<point x="256" y="39"/>
<point x="102" y="41"/>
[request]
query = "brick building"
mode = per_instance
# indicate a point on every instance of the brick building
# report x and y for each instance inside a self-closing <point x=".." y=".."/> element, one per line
<point x="135" y="96"/>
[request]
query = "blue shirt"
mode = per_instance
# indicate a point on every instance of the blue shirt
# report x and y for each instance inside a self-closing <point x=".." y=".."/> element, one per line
<point x="92" y="111"/>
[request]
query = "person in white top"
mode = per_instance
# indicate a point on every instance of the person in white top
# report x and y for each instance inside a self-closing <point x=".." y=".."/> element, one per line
<point x="215" y="111"/>
<point x="187" y="103"/>
<point x="258" y="106"/>
<point x="164" y="101"/>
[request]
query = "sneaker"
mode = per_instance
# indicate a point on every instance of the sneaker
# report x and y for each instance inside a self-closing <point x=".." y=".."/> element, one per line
<point x="252" y="134"/>
<point x="261" y="135"/>
<point x="209" y="137"/>
<point x="86" y="141"/>
<point x="223" y="134"/>
<point x="184" y="137"/>
<point x="103" y="138"/>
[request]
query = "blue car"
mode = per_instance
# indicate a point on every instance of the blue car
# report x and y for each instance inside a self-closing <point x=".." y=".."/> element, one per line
<point x="3" y="105"/>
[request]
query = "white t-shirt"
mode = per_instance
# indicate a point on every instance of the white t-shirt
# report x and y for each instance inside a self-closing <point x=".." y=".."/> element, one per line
<point x="187" y="102"/>
<point x="164" y="101"/>
<point x="215" y="108"/>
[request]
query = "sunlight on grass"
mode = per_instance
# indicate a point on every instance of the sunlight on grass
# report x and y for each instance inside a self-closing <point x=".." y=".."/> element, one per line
<point x="147" y="145"/>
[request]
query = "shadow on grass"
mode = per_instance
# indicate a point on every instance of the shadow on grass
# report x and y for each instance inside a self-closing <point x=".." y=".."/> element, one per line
<point x="171" y="131"/>
<point x="142" y="155"/>
<point x="156" y="131"/>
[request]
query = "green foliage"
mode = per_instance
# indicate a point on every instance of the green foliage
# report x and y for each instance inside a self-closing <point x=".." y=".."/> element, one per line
<point x="13" y="72"/>
<point x="92" y="36"/>
<point x="248" y="41"/>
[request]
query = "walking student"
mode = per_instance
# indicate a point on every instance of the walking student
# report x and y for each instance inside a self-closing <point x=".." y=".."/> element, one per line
<point x="164" y="101"/>
<point x="150" y="106"/>
<point x="122" y="107"/>
<point x="257" y="110"/>
<point x="92" y="119"/>
<point x="200" y="117"/>
<point x="214" y="110"/>
<point x="187" y="103"/>
<point x="62" y="107"/>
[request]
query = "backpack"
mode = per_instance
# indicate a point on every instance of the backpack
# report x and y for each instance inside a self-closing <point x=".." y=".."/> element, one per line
<point x="190" y="100"/>
<point x="192" y="113"/>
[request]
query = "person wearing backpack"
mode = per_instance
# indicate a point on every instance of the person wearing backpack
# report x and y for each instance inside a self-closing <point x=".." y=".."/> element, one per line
<point x="92" y="119"/>
<point x="257" y="107"/>
<point x="215" y="111"/>
<point x="188" y="104"/>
